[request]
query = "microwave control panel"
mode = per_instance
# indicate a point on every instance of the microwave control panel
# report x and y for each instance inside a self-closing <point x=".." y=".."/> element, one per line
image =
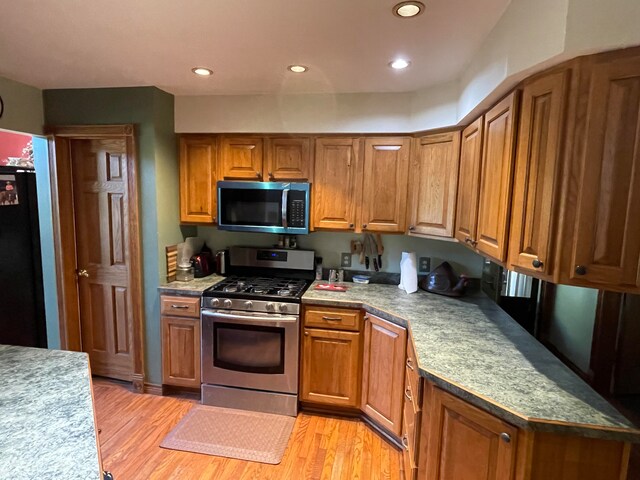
<point x="296" y="209"/>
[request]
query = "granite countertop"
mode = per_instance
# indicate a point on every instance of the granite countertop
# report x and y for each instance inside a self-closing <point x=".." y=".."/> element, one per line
<point x="193" y="288"/>
<point x="47" y="427"/>
<point x="473" y="349"/>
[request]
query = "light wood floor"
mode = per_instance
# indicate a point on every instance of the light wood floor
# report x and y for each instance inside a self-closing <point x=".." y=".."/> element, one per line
<point x="133" y="425"/>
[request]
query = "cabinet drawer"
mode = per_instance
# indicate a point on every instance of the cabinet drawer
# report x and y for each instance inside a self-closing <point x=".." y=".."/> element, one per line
<point x="413" y="375"/>
<point x="332" y="318"/>
<point x="408" y="456"/>
<point x="180" y="306"/>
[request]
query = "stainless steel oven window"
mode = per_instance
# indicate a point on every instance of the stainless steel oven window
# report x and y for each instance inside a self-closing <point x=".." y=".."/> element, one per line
<point x="249" y="348"/>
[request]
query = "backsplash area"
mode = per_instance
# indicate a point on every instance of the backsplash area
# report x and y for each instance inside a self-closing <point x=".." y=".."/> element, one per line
<point x="329" y="246"/>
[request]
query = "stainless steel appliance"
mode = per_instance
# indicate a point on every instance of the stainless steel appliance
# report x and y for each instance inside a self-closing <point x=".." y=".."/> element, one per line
<point x="272" y="207"/>
<point x="250" y="330"/>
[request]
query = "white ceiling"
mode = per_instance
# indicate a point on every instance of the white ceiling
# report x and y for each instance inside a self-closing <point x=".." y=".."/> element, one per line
<point x="248" y="43"/>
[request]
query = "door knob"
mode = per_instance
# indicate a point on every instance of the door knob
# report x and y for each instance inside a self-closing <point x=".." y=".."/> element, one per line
<point x="83" y="273"/>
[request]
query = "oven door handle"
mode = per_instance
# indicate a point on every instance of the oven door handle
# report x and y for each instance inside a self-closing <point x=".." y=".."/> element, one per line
<point x="250" y="318"/>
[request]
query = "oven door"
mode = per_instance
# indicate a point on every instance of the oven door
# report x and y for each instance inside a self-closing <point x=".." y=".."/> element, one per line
<point x="272" y="207"/>
<point x="250" y="350"/>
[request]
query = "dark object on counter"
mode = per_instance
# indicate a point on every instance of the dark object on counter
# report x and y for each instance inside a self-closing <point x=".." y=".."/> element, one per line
<point x="222" y="259"/>
<point x="443" y="281"/>
<point x="201" y="265"/>
<point x="22" y="318"/>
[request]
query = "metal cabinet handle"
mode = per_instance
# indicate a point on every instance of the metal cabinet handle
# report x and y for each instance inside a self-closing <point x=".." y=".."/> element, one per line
<point x="581" y="270"/>
<point x="411" y="228"/>
<point x="351" y="225"/>
<point x="270" y="175"/>
<point x="83" y="273"/>
<point x="181" y="307"/>
<point x="306" y="332"/>
<point x="474" y="243"/>
<point x="505" y="437"/>
<point x="407" y="394"/>
<point x="405" y="442"/>
<point x="409" y="364"/>
<point x="331" y="319"/>
<point x="258" y="175"/>
<point x="537" y="263"/>
<point x="364" y="225"/>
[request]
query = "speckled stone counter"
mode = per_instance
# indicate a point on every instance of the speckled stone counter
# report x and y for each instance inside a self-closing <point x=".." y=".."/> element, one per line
<point x="473" y="349"/>
<point x="47" y="427"/>
<point x="193" y="288"/>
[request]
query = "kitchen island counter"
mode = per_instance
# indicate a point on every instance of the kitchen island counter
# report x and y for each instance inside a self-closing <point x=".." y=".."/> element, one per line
<point x="473" y="349"/>
<point x="47" y="426"/>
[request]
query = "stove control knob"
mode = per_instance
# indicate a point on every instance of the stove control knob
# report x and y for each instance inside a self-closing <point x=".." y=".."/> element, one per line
<point x="248" y="304"/>
<point x="283" y="307"/>
<point x="227" y="303"/>
<point x="215" y="302"/>
<point x="270" y="307"/>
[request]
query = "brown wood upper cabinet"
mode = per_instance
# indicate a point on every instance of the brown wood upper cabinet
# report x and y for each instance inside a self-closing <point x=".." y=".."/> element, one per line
<point x="469" y="183"/>
<point x="288" y="158"/>
<point x="337" y="181"/>
<point x="383" y="372"/>
<point x="241" y="158"/>
<point x="384" y="189"/>
<point x="198" y="179"/>
<point x="433" y="184"/>
<point x="496" y="177"/>
<point x="605" y="242"/>
<point x="540" y="135"/>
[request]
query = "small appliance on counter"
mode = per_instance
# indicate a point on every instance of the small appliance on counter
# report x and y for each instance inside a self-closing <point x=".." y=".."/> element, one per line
<point x="443" y="281"/>
<point x="222" y="262"/>
<point x="202" y="262"/>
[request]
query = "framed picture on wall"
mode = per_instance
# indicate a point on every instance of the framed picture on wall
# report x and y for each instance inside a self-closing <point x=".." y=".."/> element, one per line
<point x="8" y="190"/>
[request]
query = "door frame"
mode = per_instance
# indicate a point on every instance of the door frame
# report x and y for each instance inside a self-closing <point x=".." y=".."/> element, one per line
<point x="64" y="236"/>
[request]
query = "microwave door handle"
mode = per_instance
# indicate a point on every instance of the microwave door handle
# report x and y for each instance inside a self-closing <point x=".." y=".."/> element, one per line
<point x="285" y="201"/>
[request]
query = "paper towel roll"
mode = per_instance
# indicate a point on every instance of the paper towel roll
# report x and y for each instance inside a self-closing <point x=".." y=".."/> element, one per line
<point x="408" y="272"/>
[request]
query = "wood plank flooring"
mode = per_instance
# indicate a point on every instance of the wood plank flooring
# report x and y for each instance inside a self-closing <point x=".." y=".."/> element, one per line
<point x="325" y="448"/>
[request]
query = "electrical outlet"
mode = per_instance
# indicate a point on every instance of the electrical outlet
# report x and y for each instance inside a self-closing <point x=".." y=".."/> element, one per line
<point x="345" y="259"/>
<point x="424" y="265"/>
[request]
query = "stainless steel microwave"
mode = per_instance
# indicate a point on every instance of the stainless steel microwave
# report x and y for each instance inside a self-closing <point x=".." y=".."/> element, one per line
<point x="270" y="207"/>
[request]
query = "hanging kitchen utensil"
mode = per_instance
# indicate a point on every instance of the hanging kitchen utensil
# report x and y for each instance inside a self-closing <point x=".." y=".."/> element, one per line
<point x="380" y="249"/>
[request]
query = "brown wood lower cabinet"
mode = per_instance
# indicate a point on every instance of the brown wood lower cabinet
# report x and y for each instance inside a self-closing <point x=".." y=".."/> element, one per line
<point x="331" y="367"/>
<point x="383" y="372"/>
<point x="181" y="351"/>
<point x="180" y="323"/>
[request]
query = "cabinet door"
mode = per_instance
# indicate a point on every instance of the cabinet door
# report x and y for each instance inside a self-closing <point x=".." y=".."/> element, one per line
<point x="434" y="183"/>
<point x="288" y="159"/>
<point x="383" y="373"/>
<point x="469" y="182"/>
<point x="496" y="176"/>
<point x="384" y="190"/>
<point x="181" y="351"/>
<point x="606" y="242"/>
<point x="241" y="158"/>
<point x="337" y="182"/>
<point x="537" y="161"/>
<point x="331" y="373"/>
<point x="466" y="442"/>
<point x="198" y="179"/>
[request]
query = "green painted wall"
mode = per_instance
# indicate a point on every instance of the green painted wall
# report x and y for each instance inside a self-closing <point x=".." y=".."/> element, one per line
<point x="22" y="107"/>
<point x="151" y="110"/>
<point x="572" y="321"/>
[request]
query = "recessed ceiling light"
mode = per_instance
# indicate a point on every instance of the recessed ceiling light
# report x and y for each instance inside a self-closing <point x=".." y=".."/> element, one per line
<point x="399" y="64"/>
<point x="202" y="71"/>
<point x="408" y="9"/>
<point x="297" y="68"/>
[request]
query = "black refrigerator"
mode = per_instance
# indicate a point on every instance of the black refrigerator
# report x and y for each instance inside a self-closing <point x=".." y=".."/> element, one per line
<point x="22" y="317"/>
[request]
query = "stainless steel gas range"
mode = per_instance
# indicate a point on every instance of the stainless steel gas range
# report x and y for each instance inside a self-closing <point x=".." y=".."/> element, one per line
<point x="250" y="330"/>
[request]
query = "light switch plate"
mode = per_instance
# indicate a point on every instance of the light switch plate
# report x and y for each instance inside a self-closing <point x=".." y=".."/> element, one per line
<point x="424" y="265"/>
<point x="345" y="259"/>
